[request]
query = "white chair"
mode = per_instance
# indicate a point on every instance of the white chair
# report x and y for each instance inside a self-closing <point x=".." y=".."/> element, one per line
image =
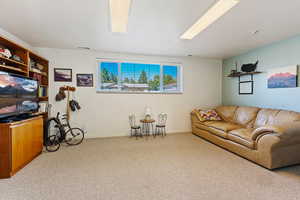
<point x="160" y="128"/>
<point x="135" y="130"/>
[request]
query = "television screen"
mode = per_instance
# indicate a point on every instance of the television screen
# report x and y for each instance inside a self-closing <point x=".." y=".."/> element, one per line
<point x="17" y="95"/>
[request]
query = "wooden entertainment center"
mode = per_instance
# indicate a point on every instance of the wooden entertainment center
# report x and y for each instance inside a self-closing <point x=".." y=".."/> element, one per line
<point x="22" y="141"/>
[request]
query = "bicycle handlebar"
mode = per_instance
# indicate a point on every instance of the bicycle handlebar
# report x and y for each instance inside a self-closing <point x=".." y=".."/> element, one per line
<point x="64" y="115"/>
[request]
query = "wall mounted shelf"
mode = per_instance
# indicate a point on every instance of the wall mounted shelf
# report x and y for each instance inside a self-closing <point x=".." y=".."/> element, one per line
<point x="239" y="74"/>
<point x="13" y="69"/>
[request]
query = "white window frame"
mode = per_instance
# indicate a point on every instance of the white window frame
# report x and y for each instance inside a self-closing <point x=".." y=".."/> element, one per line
<point x="119" y="61"/>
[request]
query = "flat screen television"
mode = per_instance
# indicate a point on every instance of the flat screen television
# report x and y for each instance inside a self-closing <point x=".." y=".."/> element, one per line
<point x="18" y="95"/>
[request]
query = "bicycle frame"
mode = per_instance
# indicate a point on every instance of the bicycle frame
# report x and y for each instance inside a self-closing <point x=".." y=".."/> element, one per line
<point x="62" y="131"/>
<point x="62" y="126"/>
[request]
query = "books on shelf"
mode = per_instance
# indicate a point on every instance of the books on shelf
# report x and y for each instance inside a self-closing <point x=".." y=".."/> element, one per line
<point x="43" y="91"/>
<point x="34" y="70"/>
<point x="37" y="68"/>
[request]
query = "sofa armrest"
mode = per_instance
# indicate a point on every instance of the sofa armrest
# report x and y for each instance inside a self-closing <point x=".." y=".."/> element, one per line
<point x="265" y="130"/>
<point x="195" y="115"/>
<point x="287" y="135"/>
<point x="284" y="130"/>
<point x="279" y="149"/>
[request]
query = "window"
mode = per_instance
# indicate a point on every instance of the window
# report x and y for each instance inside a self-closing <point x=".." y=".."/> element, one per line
<point x="109" y="76"/>
<point x="138" y="77"/>
<point x="170" y="78"/>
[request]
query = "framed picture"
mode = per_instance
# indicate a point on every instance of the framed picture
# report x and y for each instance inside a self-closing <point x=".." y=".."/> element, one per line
<point x="246" y="78"/>
<point x="284" y="77"/>
<point x="84" y="80"/>
<point x="62" y="75"/>
<point x="246" y="85"/>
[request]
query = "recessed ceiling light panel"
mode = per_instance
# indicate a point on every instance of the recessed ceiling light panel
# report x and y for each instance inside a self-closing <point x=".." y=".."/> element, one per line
<point x="119" y="12"/>
<point x="214" y="13"/>
<point x="86" y="48"/>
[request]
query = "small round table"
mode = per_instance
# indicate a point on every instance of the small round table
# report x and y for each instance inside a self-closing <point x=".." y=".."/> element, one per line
<point x="147" y="125"/>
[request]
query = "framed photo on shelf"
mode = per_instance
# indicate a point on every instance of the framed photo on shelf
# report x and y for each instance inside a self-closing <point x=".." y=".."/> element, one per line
<point x="62" y="75"/>
<point x="84" y="80"/>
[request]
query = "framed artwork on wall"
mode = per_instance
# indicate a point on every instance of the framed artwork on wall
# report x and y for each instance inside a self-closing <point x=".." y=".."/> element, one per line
<point x="284" y="77"/>
<point x="84" y="80"/>
<point x="245" y="78"/>
<point x="62" y="75"/>
<point x="246" y="85"/>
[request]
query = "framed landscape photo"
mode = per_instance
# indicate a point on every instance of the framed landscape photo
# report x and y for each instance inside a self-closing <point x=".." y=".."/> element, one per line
<point x="84" y="80"/>
<point x="284" y="77"/>
<point x="62" y="75"/>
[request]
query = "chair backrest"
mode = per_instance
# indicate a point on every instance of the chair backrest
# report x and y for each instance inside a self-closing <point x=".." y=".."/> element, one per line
<point x="132" y="121"/>
<point x="162" y="119"/>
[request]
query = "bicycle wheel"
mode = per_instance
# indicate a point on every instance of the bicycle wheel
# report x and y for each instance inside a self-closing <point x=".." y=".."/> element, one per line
<point x="74" y="136"/>
<point x="52" y="143"/>
<point x="52" y="135"/>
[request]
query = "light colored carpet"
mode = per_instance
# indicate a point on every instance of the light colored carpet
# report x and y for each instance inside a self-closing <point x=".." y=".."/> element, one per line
<point x="179" y="166"/>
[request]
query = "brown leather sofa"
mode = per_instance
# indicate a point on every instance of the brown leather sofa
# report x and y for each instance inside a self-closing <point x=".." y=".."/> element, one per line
<point x="268" y="137"/>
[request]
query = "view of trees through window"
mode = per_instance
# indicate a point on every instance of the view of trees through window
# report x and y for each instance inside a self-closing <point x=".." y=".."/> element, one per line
<point x="170" y="78"/>
<point x="138" y="77"/>
<point x="109" y="76"/>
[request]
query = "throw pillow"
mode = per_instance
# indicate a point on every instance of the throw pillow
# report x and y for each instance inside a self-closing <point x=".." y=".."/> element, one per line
<point x="209" y="115"/>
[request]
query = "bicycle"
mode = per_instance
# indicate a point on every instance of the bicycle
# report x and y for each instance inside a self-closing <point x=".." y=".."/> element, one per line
<point x="58" y="132"/>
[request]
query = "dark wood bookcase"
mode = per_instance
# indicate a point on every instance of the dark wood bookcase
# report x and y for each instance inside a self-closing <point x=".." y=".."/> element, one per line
<point x="24" y="66"/>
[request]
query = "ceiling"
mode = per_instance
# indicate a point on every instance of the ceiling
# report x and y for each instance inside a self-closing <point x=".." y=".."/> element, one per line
<point x="154" y="27"/>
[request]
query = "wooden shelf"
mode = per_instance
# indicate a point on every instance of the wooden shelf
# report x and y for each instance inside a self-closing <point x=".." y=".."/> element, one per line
<point x="10" y="61"/>
<point x="38" y="58"/>
<point x="12" y="69"/>
<point x="238" y="74"/>
<point x="39" y="113"/>
<point x="25" y="55"/>
<point x="38" y="73"/>
<point x="43" y="98"/>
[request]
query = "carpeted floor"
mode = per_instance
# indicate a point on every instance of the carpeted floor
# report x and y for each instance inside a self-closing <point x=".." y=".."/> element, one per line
<point x="179" y="166"/>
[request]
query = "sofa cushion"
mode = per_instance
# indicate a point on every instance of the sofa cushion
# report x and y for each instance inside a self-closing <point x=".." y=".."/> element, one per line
<point x="212" y="130"/>
<point x="242" y="136"/>
<point x="226" y="112"/>
<point x="264" y="116"/>
<point x="223" y="126"/>
<point x="272" y="117"/>
<point x="245" y="115"/>
<point x="284" y="117"/>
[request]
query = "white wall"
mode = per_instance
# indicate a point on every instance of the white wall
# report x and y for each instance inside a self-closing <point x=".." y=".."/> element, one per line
<point x="15" y="39"/>
<point x="106" y="115"/>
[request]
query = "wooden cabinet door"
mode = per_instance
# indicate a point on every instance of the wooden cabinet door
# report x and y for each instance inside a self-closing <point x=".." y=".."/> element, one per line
<point x="37" y="137"/>
<point x="27" y="142"/>
<point x="19" y="141"/>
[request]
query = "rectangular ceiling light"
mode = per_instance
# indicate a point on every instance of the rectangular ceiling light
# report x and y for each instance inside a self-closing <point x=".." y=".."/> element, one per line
<point x="214" y="13"/>
<point x="119" y="12"/>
